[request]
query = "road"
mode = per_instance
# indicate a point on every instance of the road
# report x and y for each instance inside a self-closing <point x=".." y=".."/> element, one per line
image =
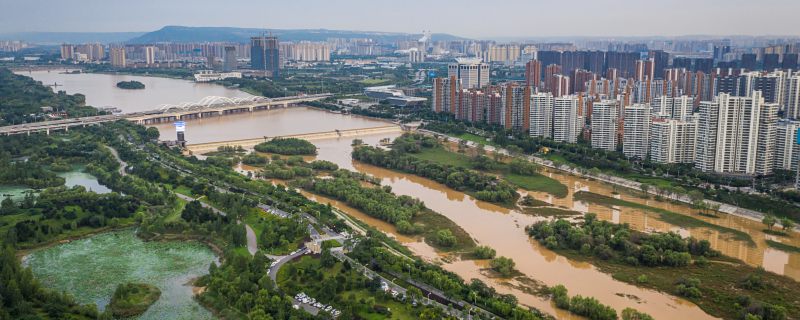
<point x="252" y="244"/>
<point x="122" y="164"/>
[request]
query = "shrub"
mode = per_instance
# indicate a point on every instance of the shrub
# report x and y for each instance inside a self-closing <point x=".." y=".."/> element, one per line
<point x="445" y="238"/>
<point x="484" y="252"/>
<point x="503" y="265"/>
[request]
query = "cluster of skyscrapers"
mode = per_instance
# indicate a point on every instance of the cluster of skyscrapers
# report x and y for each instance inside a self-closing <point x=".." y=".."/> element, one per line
<point x="728" y="120"/>
<point x="264" y="53"/>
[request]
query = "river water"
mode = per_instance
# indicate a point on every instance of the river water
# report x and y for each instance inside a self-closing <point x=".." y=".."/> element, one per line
<point x="101" y="89"/>
<point x="90" y="270"/>
<point x="497" y="227"/>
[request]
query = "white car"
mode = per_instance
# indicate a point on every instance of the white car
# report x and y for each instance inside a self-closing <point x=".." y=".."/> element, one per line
<point x="328" y="308"/>
<point x="318" y="305"/>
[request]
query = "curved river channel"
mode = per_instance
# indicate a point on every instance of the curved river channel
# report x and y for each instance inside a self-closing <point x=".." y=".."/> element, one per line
<point x="491" y="225"/>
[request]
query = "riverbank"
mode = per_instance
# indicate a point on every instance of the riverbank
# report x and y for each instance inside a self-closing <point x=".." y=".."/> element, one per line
<point x="613" y="180"/>
<point x="719" y="294"/>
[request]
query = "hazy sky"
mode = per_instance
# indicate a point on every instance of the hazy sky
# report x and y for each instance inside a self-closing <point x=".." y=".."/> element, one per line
<point x="469" y="18"/>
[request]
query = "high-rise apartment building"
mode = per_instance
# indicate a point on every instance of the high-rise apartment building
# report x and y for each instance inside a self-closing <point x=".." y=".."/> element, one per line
<point x="533" y="73"/>
<point x="604" y="125"/>
<point x="672" y="141"/>
<point x="792" y="97"/>
<point x="542" y="115"/>
<point x="445" y="94"/>
<point x="516" y="110"/>
<point x="736" y="135"/>
<point x="150" y="55"/>
<point x="265" y="55"/>
<point x="118" y="57"/>
<point x="636" y="133"/>
<point x="567" y="119"/>
<point x="787" y="149"/>
<point x="645" y="69"/>
<point x="229" y="62"/>
<point x="67" y="50"/>
<point x="679" y="108"/>
<point x="471" y="71"/>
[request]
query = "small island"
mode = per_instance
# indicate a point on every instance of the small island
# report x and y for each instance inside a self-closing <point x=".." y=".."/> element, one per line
<point x="133" y="299"/>
<point x="133" y="84"/>
<point x="287" y="146"/>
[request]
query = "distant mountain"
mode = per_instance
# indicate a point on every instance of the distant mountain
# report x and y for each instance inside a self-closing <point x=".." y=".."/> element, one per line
<point x="230" y="34"/>
<point x="70" y="37"/>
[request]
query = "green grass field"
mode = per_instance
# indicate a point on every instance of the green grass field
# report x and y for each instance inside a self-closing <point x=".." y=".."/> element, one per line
<point x="536" y="182"/>
<point x="475" y="138"/>
<point x="434" y="222"/>
<point x="550" y="212"/>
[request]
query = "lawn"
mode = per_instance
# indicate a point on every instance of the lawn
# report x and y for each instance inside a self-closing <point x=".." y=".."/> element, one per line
<point x="440" y="155"/>
<point x="176" y="211"/>
<point x="550" y="212"/>
<point x="538" y="182"/>
<point x="475" y="138"/>
<point x="665" y="215"/>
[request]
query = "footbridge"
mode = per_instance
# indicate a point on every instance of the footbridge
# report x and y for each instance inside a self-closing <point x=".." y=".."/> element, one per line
<point x="201" y="148"/>
<point x="207" y="107"/>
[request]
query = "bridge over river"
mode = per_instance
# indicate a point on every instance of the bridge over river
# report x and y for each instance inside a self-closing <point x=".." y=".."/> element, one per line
<point x="207" y="107"/>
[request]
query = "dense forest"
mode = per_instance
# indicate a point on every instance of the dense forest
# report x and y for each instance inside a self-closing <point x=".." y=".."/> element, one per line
<point x="22" y="100"/>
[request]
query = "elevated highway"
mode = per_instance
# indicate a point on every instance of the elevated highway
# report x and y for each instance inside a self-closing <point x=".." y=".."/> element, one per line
<point x="208" y="107"/>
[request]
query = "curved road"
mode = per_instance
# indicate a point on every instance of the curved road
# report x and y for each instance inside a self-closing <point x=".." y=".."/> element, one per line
<point x="122" y="164"/>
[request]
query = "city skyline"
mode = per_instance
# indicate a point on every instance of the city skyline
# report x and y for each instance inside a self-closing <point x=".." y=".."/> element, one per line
<point x="514" y="19"/>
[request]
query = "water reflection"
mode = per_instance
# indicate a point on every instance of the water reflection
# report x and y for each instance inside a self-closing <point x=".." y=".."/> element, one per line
<point x="101" y="89"/>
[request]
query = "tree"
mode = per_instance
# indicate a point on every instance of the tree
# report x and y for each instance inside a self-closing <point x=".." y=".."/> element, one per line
<point x="645" y="189"/>
<point x="769" y="220"/>
<point x="503" y="265"/>
<point x="445" y="238"/>
<point x="787" y="224"/>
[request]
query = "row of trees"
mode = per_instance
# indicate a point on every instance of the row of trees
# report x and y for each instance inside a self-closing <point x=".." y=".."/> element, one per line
<point x="607" y="240"/>
<point x="370" y="252"/>
<point x="377" y="202"/>
<point x="582" y="306"/>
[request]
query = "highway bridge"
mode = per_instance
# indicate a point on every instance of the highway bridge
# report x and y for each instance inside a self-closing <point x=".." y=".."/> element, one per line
<point x="207" y="107"/>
